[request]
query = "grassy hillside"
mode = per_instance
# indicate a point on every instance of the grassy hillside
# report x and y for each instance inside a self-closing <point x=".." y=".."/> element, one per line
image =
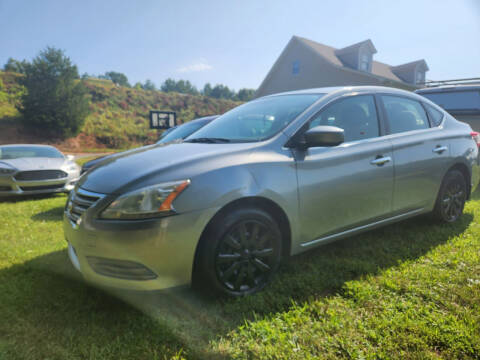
<point x="118" y="118"/>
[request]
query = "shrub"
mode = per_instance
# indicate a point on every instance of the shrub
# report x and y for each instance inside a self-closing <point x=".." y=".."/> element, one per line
<point x="55" y="101"/>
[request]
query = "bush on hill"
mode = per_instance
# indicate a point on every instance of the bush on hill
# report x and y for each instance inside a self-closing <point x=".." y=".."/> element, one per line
<point x="54" y="102"/>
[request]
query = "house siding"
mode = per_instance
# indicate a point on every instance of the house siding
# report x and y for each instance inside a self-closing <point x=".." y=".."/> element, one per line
<point x="312" y="71"/>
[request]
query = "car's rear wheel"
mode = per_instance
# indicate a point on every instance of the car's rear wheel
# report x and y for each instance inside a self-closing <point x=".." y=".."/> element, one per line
<point x="451" y="197"/>
<point x="240" y="252"/>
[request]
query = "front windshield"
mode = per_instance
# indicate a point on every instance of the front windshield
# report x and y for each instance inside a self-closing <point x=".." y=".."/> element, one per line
<point x="16" y="152"/>
<point x="182" y="131"/>
<point x="256" y="120"/>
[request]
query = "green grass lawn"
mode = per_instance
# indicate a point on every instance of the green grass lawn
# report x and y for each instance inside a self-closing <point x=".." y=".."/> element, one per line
<point x="406" y="291"/>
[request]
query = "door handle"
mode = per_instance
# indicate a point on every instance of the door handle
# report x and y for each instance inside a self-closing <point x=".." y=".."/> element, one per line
<point x="381" y="160"/>
<point x="440" y="149"/>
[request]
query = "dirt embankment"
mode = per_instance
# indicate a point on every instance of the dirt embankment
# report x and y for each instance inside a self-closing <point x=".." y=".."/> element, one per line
<point x="14" y="134"/>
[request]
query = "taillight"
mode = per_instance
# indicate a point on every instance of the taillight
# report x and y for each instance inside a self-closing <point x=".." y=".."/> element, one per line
<point x="476" y="136"/>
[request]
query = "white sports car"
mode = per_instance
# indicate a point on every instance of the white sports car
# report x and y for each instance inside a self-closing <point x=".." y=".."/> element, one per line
<point x="35" y="169"/>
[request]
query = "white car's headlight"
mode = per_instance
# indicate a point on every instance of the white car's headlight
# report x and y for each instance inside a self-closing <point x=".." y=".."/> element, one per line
<point x="6" y="170"/>
<point x="149" y="202"/>
<point x="72" y="167"/>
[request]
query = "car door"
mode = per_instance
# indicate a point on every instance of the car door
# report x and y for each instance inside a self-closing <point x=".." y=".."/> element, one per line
<point x="420" y="153"/>
<point x="348" y="185"/>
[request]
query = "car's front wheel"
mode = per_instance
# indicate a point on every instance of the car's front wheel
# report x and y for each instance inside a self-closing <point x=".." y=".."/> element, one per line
<point x="240" y="252"/>
<point x="451" y="197"/>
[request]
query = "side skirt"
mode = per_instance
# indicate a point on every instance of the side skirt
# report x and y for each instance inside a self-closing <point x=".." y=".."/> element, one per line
<point x="333" y="237"/>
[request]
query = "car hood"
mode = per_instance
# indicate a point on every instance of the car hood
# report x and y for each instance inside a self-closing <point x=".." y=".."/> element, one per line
<point x="120" y="172"/>
<point x="96" y="161"/>
<point x="99" y="160"/>
<point x="35" y="163"/>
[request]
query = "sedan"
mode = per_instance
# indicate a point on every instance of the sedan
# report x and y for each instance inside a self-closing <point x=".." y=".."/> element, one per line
<point x="274" y="177"/>
<point x="35" y="169"/>
<point x="173" y="134"/>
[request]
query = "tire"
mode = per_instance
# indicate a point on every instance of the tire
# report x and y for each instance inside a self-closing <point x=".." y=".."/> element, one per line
<point x="239" y="253"/>
<point x="451" y="197"/>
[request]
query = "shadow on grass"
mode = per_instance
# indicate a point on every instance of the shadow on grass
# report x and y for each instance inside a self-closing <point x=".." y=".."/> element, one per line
<point x="48" y="311"/>
<point x="185" y="319"/>
<point x="54" y="214"/>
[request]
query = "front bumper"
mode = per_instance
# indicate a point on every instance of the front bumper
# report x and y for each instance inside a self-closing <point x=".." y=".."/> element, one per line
<point x="11" y="187"/>
<point x="136" y="255"/>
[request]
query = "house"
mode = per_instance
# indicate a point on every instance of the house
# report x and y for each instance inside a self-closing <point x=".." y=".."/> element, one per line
<point x="307" y="64"/>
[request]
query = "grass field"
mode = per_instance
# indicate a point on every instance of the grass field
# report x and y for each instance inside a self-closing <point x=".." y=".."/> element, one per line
<point x="406" y="291"/>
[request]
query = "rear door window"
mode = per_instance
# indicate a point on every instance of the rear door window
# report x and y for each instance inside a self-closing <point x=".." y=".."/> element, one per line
<point x="404" y="114"/>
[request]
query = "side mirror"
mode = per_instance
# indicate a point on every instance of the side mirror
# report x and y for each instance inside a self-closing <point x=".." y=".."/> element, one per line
<point x="324" y="136"/>
<point x="70" y="157"/>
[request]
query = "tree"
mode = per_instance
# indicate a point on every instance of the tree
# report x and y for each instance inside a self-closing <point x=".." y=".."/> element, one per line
<point x="207" y="89"/>
<point x="149" y="85"/>
<point x="117" y="78"/>
<point x="245" y="94"/>
<point x="13" y="65"/>
<point x="55" y="101"/>
<point x="181" y="86"/>
<point x="169" y="85"/>
<point x="185" y="87"/>
<point x="220" y="91"/>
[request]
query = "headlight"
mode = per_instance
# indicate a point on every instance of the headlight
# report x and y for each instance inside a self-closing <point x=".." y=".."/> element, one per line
<point x="6" y="170"/>
<point x="149" y="202"/>
<point x="72" y="167"/>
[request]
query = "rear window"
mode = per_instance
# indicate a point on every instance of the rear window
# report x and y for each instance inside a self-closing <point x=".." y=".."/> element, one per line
<point x="456" y="100"/>
<point x="435" y="116"/>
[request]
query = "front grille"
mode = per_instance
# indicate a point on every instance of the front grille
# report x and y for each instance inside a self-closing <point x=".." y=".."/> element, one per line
<point x="79" y="202"/>
<point x="40" y="175"/>
<point x="121" y="269"/>
<point x="42" y="187"/>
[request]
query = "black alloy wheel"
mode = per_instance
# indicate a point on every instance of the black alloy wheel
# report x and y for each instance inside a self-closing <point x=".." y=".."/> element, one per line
<point x="451" y="198"/>
<point x="246" y="256"/>
<point x="240" y="253"/>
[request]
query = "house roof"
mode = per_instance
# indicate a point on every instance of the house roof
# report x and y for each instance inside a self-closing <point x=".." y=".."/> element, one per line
<point x="354" y="47"/>
<point x="378" y="68"/>
<point x="412" y="64"/>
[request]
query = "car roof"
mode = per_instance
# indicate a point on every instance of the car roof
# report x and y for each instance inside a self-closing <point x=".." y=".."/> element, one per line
<point x="33" y="145"/>
<point x="205" y="118"/>
<point x="344" y="89"/>
<point x="447" y="88"/>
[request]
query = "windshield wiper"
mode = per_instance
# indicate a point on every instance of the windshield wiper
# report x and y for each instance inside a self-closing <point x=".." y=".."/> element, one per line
<point x="209" y="140"/>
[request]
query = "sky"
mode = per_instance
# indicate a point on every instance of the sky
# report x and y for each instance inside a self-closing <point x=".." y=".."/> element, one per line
<point x="236" y="42"/>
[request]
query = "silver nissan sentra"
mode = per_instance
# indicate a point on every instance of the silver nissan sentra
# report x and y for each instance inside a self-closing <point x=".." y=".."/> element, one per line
<point x="273" y="177"/>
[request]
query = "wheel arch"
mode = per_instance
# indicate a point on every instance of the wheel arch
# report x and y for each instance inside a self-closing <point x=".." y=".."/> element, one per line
<point x="256" y="201"/>
<point x="460" y="166"/>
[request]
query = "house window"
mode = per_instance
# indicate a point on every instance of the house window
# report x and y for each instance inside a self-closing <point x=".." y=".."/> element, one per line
<point x="420" y="78"/>
<point x="296" y="67"/>
<point x="364" y="62"/>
